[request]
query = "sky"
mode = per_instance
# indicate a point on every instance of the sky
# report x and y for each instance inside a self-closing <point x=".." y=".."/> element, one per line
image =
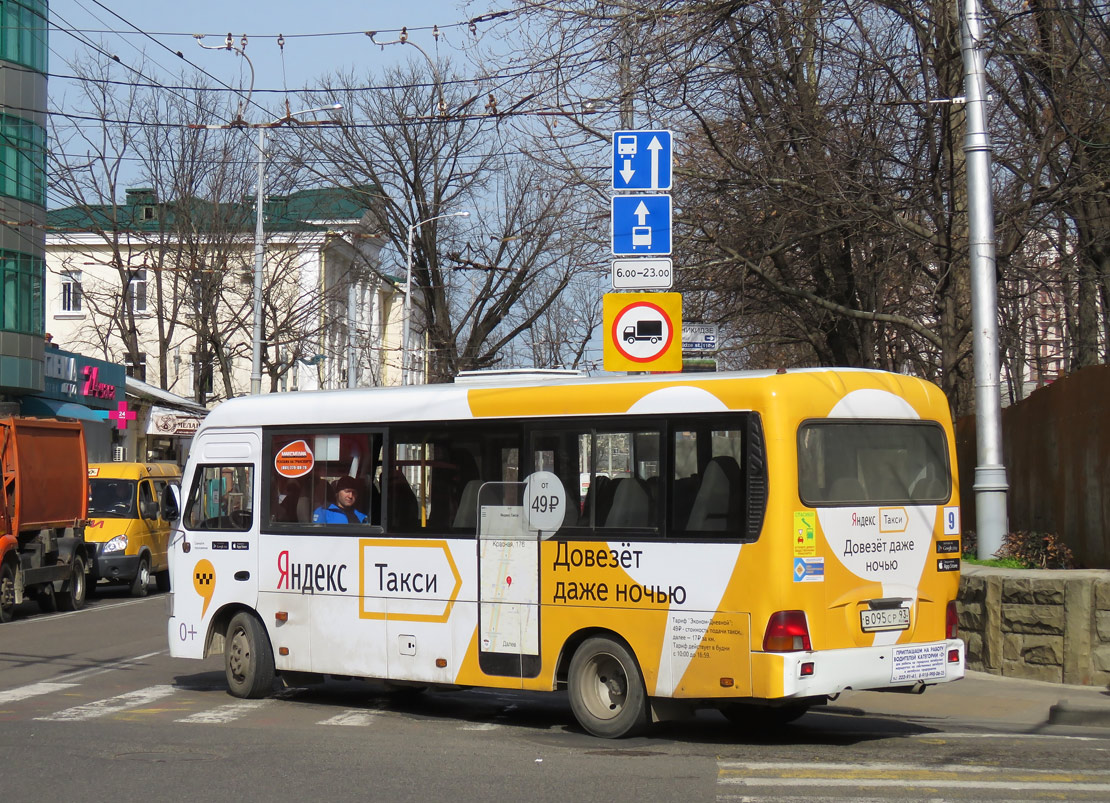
<point x="312" y="46"/>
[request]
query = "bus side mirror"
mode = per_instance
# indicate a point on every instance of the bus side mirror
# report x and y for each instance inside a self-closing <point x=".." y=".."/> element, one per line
<point x="171" y="502"/>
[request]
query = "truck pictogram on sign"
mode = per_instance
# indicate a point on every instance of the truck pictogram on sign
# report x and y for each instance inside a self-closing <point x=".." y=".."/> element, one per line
<point x="642" y="331"/>
<point x="651" y="331"/>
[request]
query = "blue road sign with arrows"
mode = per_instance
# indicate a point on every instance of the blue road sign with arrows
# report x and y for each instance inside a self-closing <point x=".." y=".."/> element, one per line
<point x="641" y="160"/>
<point x="641" y="224"/>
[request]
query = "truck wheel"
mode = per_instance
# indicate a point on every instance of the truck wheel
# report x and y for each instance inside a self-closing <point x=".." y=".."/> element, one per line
<point x="7" y="591"/>
<point x="248" y="657"/>
<point x="162" y="580"/>
<point x="142" y="578"/>
<point x="73" y="593"/>
<point x="606" y="688"/>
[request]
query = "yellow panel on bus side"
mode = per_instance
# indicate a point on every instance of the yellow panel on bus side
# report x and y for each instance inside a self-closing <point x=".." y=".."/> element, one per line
<point x="666" y="606"/>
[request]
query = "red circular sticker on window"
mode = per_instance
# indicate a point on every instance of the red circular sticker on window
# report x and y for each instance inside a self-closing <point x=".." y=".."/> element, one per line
<point x="294" y="459"/>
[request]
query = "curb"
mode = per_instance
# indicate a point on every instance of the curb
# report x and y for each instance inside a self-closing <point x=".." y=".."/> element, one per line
<point x="1068" y="712"/>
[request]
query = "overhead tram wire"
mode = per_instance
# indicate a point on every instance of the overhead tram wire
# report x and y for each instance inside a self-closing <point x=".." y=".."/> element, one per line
<point x="467" y="23"/>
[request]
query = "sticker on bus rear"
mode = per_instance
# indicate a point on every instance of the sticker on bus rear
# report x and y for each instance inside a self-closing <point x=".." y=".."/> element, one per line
<point x="809" y="570"/>
<point x="805" y="539"/>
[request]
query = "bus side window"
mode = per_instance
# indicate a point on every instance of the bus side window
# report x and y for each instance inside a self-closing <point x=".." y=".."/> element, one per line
<point x="222" y="498"/>
<point x="709" y="494"/>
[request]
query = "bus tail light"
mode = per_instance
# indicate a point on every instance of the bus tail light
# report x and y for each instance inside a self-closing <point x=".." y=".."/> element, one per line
<point x="951" y="621"/>
<point x="787" y="631"/>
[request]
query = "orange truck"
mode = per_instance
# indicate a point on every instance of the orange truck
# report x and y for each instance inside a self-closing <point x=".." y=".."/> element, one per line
<point x="43" y="502"/>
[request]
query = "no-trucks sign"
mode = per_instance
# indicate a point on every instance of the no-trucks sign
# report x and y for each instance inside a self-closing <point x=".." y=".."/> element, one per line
<point x="643" y="331"/>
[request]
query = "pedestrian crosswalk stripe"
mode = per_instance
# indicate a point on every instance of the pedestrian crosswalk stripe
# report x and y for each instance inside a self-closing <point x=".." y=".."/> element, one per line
<point x="352" y="717"/>
<point x="480" y="726"/>
<point x="32" y="690"/>
<point x="111" y="705"/>
<point x="875" y="775"/>
<point x="224" y="713"/>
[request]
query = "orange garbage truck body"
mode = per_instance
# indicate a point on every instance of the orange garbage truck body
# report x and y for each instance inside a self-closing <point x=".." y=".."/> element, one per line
<point x="43" y="504"/>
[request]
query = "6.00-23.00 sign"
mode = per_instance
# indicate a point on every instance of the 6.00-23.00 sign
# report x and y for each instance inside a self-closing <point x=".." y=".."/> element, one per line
<point x="642" y="274"/>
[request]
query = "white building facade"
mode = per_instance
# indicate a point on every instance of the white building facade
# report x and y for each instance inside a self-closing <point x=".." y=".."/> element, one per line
<point x="174" y="303"/>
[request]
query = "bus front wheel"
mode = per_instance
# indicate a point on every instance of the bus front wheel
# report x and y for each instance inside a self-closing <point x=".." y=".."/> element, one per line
<point x="606" y="688"/>
<point x="248" y="658"/>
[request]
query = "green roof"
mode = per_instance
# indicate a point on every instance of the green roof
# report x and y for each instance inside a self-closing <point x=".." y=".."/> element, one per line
<point x="303" y="210"/>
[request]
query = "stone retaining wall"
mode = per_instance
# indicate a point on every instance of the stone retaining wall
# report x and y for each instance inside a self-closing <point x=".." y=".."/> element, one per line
<point x="1037" y="624"/>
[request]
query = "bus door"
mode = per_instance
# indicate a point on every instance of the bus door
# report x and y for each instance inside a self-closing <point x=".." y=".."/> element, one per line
<point x="512" y="517"/>
<point x="219" y="549"/>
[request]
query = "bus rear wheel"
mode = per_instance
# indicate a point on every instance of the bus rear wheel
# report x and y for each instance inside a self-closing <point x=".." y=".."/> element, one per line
<point x="606" y="688"/>
<point x="248" y="658"/>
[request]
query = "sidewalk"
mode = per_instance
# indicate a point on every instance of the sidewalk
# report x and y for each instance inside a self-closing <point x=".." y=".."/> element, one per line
<point x="991" y="700"/>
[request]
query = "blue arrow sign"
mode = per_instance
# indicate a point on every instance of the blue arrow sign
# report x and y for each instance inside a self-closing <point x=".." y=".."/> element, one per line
<point x="641" y="224"/>
<point x="641" y="160"/>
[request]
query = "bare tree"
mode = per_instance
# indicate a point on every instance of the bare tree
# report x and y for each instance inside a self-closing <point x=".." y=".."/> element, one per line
<point x="477" y="283"/>
<point x="182" y="246"/>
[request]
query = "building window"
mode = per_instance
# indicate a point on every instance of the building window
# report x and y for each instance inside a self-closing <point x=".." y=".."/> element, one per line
<point x="71" y="291"/>
<point x="22" y="159"/>
<point x="21" y="302"/>
<point x="137" y="369"/>
<point x="23" y="33"/>
<point x="136" y="291"/>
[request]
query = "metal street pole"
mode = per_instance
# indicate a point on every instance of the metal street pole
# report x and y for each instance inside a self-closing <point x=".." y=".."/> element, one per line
<point x="259" y="253"/>
<point x="407" y="314"/>
<point x="259" y="235"/>
<point x="990" y="472"/>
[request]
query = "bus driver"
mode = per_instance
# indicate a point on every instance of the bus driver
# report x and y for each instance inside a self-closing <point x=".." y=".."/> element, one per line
<point x="342" y="510"/>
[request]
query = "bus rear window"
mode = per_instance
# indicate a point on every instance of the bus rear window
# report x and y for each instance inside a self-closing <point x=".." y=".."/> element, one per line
<point x="872" y="462"/>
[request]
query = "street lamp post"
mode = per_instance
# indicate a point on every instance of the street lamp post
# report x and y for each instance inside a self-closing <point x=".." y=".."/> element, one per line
<point x="290" y="118"/>
<point x="405" y="372"/>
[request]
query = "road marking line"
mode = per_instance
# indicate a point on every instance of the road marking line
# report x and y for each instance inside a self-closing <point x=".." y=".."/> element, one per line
<point x="354" y="717"/>
<point x="224" y="713"/>
<point x="927" y="736"/>
<point x="32" y="690"/>
<point x="966" y="784"/>
<point x="811" y="768"/>
<point x="53" y="617"/>
<point x="111" y="705"/>
<point x="480" y="726"/>
<point x="93" y="671"/>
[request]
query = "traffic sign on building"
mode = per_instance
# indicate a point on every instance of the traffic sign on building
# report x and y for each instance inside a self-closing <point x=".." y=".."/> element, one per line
<point x="641" y="160"/>
<point x="642" y="331"/>
<point x="699" y="337"/>
<point x="641" y="225"/>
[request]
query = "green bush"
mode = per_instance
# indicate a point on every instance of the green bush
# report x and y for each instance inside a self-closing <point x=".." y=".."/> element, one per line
<point x="1023" y="550"/>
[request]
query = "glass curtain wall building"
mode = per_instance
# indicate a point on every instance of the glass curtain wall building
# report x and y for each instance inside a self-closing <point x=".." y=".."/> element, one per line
<point x="23" y="51"/>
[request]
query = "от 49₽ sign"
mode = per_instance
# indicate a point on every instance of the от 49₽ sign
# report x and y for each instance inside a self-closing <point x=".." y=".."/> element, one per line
<point x="643" y="331"/>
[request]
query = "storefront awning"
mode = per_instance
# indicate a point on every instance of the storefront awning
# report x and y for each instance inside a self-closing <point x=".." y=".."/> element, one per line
<point x="53" y="408"/>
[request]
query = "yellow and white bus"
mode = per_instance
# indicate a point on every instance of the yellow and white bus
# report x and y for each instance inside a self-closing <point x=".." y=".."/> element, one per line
<point x="754" y="542"/>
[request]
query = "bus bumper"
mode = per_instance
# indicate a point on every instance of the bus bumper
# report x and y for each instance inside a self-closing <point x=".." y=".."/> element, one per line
<point x="895" y="666"/>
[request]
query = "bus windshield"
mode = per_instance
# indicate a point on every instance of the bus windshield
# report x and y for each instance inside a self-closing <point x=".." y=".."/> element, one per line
<point x="864" y="462"/>
<point x="112" y="499"/>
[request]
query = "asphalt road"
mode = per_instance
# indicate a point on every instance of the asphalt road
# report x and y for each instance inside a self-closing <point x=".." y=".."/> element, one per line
<point x="92" y="708"/>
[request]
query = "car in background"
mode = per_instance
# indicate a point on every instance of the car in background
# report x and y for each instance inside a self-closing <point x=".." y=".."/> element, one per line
<point x="129" y="523"/>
